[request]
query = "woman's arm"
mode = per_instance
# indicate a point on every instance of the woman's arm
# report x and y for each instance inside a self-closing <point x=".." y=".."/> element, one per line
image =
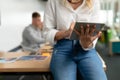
<point x="95" y="18"/>
<point x="50" y="33"/>
<point x="60" y="35"/>
<point x="49" y="22"/>
<point x="66" y="33"/>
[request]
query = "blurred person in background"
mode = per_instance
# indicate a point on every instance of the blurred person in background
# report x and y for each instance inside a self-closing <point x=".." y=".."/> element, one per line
<point x="32" y="34"/>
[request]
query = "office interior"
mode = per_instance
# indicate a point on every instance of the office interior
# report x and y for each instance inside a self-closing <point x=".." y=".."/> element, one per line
<point x="15" y="15"/>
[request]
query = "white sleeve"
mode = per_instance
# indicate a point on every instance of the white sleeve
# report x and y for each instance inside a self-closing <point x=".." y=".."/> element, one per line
<point x="49" y="23"/>
<point x="91" y="47"/>
<point x="95" y="17"/>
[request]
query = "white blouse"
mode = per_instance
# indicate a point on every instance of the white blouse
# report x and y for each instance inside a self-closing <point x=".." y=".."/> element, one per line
<point x="59" y="14"/>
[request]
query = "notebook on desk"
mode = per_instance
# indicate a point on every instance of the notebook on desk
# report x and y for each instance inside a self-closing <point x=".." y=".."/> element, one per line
<point x="33" y="57"/>
<point x="8" y="60"/>
<point x="23" y="58"/>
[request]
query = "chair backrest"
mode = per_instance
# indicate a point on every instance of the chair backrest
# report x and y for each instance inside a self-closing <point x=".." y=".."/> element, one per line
<point x="16" y="48"/>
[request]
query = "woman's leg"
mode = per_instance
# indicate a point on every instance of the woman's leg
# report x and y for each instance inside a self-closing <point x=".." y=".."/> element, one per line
<point x="90" y="66"/>
<point x="63" y="67"/>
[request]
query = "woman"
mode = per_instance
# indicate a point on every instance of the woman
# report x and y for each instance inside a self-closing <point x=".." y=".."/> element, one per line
<point x="72" y="55"/>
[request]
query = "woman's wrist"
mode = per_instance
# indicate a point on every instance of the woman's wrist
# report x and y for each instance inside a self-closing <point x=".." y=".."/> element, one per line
<point x="85" y="46"/>
<point x="60" y="35"/>
<point x="66" y="33"/>
<point x="91" y="45"/>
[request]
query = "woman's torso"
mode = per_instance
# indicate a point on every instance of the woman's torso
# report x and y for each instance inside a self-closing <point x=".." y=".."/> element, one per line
<point x="65" y="14"/>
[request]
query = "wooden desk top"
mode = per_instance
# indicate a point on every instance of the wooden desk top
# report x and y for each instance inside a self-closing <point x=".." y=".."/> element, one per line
<point x="24" y="66"/>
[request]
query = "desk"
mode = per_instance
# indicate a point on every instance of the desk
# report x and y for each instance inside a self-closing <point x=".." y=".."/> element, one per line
<point x="24" y="66"/>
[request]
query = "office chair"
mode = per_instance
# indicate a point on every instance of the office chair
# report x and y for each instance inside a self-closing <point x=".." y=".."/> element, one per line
<point x="19" y="47"/>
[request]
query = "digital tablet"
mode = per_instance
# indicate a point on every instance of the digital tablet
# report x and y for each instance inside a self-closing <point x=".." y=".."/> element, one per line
<point x="99" y="27"/>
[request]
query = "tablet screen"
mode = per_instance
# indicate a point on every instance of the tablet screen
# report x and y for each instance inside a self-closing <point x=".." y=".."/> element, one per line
<point x="99" y="27"/>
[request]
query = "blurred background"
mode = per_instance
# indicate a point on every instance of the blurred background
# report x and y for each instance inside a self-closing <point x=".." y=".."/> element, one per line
<point x="15" y="15"/>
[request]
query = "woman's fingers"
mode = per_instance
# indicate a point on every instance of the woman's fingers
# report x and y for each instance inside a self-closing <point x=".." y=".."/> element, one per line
<point x="78" y="33"/>
<point x="97" y="36"/>
<point x="92" y="30"/>
<point x="82" y="30"/>
<point x="87" y="29"/>
<point x="72" y="26"/>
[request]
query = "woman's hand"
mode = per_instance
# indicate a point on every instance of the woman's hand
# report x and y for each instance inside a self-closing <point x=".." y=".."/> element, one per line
<point x="63" y="34"/>
<point x="87" y="36"/>
<point x="69" y="31"/>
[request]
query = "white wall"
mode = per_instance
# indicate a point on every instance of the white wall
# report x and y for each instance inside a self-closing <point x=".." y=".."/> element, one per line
<point x="15" y="15"/>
